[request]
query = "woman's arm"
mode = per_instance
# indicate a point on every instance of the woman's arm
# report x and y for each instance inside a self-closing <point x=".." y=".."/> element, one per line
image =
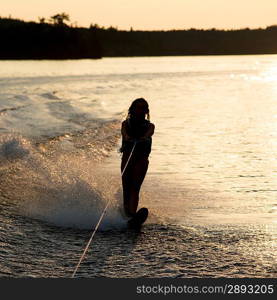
<point x="150" y="131"/>
<point x="124" y="132"/>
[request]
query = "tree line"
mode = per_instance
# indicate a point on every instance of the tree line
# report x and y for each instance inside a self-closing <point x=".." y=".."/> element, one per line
<point x="46" y="40"/>
<point x="55" y="39"/>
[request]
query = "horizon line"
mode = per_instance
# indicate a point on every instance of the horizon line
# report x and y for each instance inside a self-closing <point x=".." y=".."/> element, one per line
<point x="131" y="28"/>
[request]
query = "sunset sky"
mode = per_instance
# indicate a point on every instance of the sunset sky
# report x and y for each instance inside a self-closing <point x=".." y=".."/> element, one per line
<point x="150" y="14"/>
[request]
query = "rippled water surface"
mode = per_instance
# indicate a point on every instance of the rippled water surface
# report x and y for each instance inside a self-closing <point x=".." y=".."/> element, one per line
<point x="211" y="185"/>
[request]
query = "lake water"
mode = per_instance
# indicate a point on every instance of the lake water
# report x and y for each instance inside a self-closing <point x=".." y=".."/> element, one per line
<point x="211" y="185"/>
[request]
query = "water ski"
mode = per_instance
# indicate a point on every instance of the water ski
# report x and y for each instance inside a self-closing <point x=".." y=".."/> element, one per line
<point x="139" y="218"/>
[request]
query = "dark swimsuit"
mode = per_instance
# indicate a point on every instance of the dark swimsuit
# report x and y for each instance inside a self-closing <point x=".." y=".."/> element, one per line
<point x="136" y="129"/>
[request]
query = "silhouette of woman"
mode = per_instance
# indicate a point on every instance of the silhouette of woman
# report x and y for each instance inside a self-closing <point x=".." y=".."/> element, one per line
<point x="135" y="129"/>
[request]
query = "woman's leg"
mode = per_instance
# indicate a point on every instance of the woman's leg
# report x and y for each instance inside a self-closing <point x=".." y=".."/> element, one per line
<point x="139" y="169"/>
<point x="126" y="182"/>
<point x="132" y="180"/>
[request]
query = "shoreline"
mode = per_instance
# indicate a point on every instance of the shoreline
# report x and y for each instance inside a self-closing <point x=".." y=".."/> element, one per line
<point x="137" y="56"/>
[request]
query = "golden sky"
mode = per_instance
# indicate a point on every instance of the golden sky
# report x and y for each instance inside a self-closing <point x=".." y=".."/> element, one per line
<point x="150" y="14"/>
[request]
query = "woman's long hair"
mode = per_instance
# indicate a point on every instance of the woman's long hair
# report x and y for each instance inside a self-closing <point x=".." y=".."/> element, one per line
<point x="133" y="105"/>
